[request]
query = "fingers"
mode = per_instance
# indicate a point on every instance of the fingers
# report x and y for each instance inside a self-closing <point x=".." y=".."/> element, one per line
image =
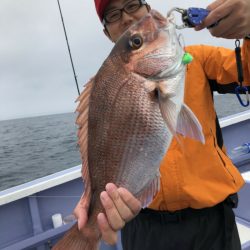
<point x="126" y="204"/>
<point x="113" y="216"/>
<point x="120" y="206"/>
<point x="81" y="213"/>
<point x="130" y="200"/>
<point x="222" y="29"/>
<point x="215" y="4"/>
<point x="232" y="18"/>
<point x="108" y="234"/>
<point x="225" y="30"/>
<point x="219" y="10"/>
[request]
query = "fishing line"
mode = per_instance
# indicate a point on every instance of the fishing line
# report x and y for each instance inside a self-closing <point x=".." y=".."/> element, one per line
<point x="66" y="37"/>
<point x="182" y="41"/>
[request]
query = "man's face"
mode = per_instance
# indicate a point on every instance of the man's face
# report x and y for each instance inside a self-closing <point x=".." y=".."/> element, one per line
<point x="116" y="29"/>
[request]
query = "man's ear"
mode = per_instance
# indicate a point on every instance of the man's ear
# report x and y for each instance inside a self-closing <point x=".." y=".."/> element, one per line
<point x="105" y="31"/>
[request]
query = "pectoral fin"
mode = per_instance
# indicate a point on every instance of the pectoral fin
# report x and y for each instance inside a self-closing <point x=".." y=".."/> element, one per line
<point x="182" y="123"/>
<point x="188" y="124"/>
<point x="167" y="106"/>
<point x="168" y="112"/>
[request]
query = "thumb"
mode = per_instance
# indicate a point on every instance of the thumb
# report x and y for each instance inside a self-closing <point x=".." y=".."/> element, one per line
<point x="215" y="4"/>
<point x="81" y="213"/>
<point x="216" y="10"/>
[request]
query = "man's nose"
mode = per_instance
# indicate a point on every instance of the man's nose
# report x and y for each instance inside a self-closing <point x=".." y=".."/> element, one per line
<point x="126" y="18"/>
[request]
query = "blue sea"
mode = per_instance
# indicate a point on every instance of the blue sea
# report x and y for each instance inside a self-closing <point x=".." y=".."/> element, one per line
<point x="34" y="147"/>
<point x="38" y="146"/>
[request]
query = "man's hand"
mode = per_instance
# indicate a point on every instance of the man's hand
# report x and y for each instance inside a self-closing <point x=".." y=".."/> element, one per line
<point x="81" y="213"/>
<point x="120" y="207"/>
<point x="233" y="17"/>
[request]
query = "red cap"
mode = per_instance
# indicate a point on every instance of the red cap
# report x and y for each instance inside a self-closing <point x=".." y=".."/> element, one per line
<point x="100" y="6"/>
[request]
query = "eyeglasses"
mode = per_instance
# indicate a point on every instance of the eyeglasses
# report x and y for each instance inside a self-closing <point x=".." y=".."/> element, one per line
<point x="130" y="7"/>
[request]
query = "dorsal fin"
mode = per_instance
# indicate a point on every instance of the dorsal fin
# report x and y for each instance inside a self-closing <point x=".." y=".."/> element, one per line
<point x="82" y="122"/>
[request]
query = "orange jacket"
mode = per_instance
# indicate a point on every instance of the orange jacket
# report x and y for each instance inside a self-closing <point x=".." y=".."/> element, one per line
<point x="202" y="175"/>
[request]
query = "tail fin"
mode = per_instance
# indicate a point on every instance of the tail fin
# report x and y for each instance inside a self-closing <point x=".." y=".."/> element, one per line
<point x="87" y="239"/>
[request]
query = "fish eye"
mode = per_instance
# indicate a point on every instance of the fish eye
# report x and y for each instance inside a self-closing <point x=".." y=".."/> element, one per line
<point x="135" y="41"/>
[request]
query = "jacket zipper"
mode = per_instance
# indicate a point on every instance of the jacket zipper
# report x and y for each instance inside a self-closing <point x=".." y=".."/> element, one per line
<point x="224" y="164"/>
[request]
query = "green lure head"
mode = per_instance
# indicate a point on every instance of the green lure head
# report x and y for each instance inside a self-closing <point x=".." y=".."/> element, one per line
<point x="187" y="58"/>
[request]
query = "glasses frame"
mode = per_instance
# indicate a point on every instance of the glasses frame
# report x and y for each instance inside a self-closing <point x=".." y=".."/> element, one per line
<point x="105" y="22"/>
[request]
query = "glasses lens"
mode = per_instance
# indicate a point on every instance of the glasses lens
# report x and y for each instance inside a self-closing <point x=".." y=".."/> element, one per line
<point x="132" y="6"/>
<point x="113" y="16"/>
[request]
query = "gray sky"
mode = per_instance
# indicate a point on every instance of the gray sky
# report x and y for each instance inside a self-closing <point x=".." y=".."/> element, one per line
<point x="35" y="72"/>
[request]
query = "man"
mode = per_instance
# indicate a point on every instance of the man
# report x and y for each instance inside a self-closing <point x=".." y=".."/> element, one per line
<point x="193" y="209"/>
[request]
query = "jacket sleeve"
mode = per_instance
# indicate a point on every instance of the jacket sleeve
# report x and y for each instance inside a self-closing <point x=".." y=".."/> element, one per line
<point x="220" y="67"/>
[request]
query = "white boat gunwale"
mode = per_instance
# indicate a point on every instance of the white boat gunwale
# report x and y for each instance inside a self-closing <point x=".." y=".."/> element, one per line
<point x="38" y="185"/>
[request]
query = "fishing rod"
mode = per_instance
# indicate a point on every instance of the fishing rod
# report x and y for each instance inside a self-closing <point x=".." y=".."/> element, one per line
<point x="66" y="37"/>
